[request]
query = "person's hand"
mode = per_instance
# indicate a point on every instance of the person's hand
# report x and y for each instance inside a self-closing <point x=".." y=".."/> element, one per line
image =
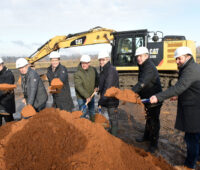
<point x="174" y="98"/>
<point x="96" y="89"/>
<point x="88" y="99"/>
<point x="153" y="99"/>
<point x="24" y="101"/>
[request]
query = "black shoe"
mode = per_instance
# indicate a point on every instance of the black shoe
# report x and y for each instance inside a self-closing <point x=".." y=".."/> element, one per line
<point x="141" y="139"/>
<point x="152" y="149"/>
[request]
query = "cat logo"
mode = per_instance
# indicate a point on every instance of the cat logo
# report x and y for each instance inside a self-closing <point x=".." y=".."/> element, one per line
<point x="153" y="52"/>
<point x="78" y="41"/>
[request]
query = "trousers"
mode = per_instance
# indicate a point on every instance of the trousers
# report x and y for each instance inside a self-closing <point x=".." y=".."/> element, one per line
<point x="152" y="126"/>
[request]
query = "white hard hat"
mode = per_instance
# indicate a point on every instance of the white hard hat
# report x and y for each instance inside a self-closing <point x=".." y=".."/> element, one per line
<point x="85" y="58"/>
<point x="103" y="54"/>
<point x="182" y="51"/>
<point x="141" y="50"/>
<point x="54" y="54"/>
<point x="1" y="60"/>
<point x="21" y="62"/>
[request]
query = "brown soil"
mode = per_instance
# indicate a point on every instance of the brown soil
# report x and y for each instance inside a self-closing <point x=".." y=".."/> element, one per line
<point x="77" y="114"/>
<point x="55" y="139"/>
<point x="99" y="118"/>
<point x="56" y="86"/>
<point x="111" y="92"/>
<point x="126" y="95"/>
<point x="28" y="111"/>
<point x="6" y="87"/>
<point x="56" y="83"/>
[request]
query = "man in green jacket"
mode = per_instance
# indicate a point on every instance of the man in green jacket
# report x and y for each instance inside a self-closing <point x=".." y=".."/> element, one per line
<point x="86" y="83"/>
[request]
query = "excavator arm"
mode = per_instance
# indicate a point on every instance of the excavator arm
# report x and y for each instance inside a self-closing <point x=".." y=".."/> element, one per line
<point x="96" y="35"/>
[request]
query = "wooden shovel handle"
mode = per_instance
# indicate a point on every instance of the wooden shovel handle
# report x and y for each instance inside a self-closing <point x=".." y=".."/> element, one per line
<point x="91" y="97"/>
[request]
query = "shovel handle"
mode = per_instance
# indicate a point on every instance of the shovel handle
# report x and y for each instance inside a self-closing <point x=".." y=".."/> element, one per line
<point x="145" y="100"/>
<point x="5" y="114"/>
<point x="91" y="96"/>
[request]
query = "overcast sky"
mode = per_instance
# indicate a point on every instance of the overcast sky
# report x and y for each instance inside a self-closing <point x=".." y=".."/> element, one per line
<point x="27" y="24"/>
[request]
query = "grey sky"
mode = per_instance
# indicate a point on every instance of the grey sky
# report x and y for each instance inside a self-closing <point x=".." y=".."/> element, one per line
<point x="27" y="24"/>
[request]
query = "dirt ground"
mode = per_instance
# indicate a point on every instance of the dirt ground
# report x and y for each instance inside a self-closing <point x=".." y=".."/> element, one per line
<point x="131" y="125"/>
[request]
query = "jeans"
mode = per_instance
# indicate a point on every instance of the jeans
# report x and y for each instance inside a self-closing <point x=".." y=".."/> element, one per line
<point x="193" y="148"/>
<point x="90" y="111"/>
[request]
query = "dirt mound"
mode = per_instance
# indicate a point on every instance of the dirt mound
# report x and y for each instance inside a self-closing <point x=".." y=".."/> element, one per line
<point x="99" y="118"/>
<point x="54" y="139"/>
<point x="77" y="114"/>
<point x="126" y="95"/>
<point x="6" y="87"/>
<point x="28" y="111"/>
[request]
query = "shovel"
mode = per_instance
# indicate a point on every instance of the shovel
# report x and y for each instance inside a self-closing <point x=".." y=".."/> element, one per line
<point x="5" y="114"/>
<point x="85" y="105"/>
<point x="145" y="100"/>
<point x="99" y="109"/>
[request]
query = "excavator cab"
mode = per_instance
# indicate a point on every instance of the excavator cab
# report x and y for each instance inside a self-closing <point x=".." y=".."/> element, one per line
<point x="125" y="44"/>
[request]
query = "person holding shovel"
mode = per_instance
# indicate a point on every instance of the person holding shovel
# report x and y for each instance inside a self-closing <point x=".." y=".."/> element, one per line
<point x="188" y="114"/>
<point x="86" y="83"/>
<point x="147" y="85"/>
<point x="108" y="78"/>
<point x="63" y="99"/>
<point x="7" y="98"/>
<point x="32" y="86"/>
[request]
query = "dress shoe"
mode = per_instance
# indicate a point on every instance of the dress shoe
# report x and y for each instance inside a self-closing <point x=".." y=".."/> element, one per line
<point x="152" y="149"/>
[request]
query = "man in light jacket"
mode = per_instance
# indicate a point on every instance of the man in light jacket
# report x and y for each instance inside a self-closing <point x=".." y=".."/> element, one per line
<point x="33" y="88"/>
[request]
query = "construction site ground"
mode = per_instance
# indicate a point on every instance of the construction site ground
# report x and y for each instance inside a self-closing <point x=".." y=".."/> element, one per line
<point x="132" y="122"/>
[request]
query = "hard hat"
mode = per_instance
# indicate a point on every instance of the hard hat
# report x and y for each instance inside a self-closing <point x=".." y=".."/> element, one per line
<point x="21" y="62"/>
<point x="141" y="50"/>
<point x="54" y="54"/>
<point x="1" y="60"/>
<point x="85" y="58"/>
<point x="182" y="51"/>
<point x="103" y="54"/>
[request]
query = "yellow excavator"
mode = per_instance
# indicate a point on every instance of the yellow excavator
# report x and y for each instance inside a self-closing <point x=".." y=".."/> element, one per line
<point x="124" y="44"/>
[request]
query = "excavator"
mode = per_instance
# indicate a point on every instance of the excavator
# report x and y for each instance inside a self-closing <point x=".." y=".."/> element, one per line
<point x="124" y="44"/>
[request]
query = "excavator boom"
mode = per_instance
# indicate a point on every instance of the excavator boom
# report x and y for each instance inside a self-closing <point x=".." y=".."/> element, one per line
<point x="96" y="35"/>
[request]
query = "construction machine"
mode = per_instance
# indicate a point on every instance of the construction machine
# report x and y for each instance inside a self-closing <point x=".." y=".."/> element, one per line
<point x="124" y="44"/>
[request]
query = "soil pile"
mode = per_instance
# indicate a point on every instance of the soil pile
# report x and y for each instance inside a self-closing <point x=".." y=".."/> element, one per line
<point x="54" y="139"/>
<point x="56" y="86"/>
<point x="99" y="118"/>
<point x="6" y="87"/>
<point x="28" y="111"/>
<point x="126" y="95"/>
<point x="77" y="114"/>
